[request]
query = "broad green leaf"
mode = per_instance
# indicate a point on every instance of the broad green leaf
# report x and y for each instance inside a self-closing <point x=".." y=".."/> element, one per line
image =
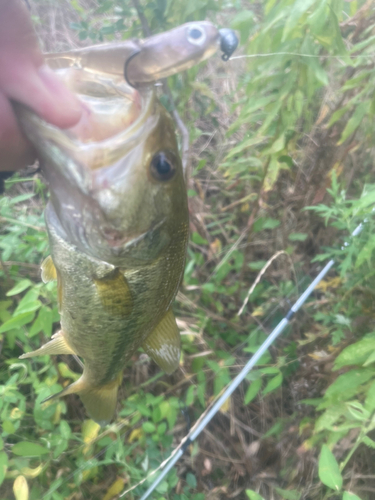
<point x="346" y="385"/>
<point x="356" y="354"/>
<point x="27" y="449"/>
<point x="297" y="236"/>
<point x="17" y="321"/>
<point x="273" y="384"/>
<point x="65" y="429"/>
<point x="43" y="322"/>
<point x="19" y="287"/>
<point x="329" y="417"/>
<point x="354" y="121"/>
<point x="253" y="496"/>
<point x="252" y="391"/>
<point x="329" y="472"/>
<point x="350" y="496"/>
<point x="148" y="427"/>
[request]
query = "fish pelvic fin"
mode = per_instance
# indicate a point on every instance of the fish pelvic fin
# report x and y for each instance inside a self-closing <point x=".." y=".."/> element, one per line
<point x="49" y="272"/>
<point x="163" y="345"/>
<point x="58" y="345"/>
<point x="100" y="402"/>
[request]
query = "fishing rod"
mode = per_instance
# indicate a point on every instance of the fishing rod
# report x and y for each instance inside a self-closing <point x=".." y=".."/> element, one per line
<point x="206" y="417"/>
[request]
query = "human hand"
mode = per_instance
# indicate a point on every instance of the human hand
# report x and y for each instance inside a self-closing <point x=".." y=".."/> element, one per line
<point x="25" y="78"/>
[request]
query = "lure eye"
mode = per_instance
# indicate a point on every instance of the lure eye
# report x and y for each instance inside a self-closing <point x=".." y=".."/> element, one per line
<point x="196" y="35"/>
<point x="162" y="168"/>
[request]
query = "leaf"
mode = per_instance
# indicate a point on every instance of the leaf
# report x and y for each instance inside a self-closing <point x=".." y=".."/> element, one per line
<point x="350" y="496"/>
<point x="191" y="480"/>
<point x="297" y="236"/>
<point x="19" y="287"/>
<point x="356" y="354"/>
<point x="329" y="417"/>
<point x="20" y="488"/>
<point x="354" y="121"/>
<point x="43" y="322"/>
<point x="148" y="427"/>
<point x="253" y="496"/>
<point x="252" y="391"/>
<point x="3" y="465"/>
<point x="27" y="449"/>
<point x="288" y="494"/>
<point x="273" y="384"/>
<point x="298" y="8"/>
<point x="368" y="442"/>
<point x="329" y="472"/>
<point x="346" y="385"/>
<point x="115" y="489"/>
<point x="225" y="407"/>
<point x="90" y="431"/>
<point x="366" y="251"/>
<point x="17" y="321"/>
<point x="370" y="398"/>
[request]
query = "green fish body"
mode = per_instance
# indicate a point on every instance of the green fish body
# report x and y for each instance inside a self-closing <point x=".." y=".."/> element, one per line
<point x="117" y="218"/>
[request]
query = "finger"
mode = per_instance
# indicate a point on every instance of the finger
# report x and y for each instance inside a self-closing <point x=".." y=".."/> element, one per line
<point x="38" y="88"/>
<point x="15" y="151"/>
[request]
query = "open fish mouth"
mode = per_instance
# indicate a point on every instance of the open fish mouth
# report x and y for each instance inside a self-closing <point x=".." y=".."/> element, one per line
<point x="102" y="186"/>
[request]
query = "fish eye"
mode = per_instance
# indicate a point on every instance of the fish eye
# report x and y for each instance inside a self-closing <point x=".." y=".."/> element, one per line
<point x="162" y="167"/>
<point x="196" y="35"/>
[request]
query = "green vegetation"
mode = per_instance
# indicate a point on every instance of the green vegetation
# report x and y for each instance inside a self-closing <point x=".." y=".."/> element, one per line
<point x="271" y="136"/>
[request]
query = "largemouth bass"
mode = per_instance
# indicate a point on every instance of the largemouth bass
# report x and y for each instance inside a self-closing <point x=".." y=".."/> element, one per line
<point x="117" y="218"/>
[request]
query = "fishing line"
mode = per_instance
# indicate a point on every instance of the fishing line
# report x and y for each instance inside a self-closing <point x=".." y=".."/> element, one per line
<point x="270" y="54"/>
<point x="207" y="416"/>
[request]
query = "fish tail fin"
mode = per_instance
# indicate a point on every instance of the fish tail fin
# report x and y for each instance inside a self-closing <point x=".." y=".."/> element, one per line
<point x="100" y="402"/>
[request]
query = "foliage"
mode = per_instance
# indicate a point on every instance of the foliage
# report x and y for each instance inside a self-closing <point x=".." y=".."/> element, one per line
<point x="299" y="134"/>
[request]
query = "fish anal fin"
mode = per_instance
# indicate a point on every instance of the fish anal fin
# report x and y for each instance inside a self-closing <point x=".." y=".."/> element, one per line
<point x="57" y="345"/>
<point x="163" y="345"/>
<point x="49" y="272"/>
<point x="115" y="294"/>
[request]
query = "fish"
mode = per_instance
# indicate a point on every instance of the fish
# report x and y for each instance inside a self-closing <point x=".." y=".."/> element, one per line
<point x="117" y="217"/>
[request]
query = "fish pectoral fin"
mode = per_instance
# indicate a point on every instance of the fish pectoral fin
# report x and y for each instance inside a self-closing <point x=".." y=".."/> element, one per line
<point x="163" y="345"/>
<point x="114" y="293"/>
<point x="49" y="272"/>
<point x="57" y="345"/>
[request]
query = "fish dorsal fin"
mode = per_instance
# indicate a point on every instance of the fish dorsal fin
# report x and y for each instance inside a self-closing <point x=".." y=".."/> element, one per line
<point x="57" y="345"/>
<point x="49" y="272"/>
<point x="115" y="294"/>
<point x="163" y="345"/>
